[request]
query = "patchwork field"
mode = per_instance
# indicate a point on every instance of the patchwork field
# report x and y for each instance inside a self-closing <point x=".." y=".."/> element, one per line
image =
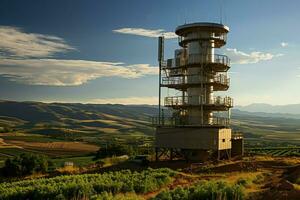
<point x="76" y="130"/>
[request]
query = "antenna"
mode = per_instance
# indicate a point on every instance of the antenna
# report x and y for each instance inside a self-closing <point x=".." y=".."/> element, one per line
<point x="160" y="59"/>
<point x="221" y="11"/>
<point x="225" y="17"/>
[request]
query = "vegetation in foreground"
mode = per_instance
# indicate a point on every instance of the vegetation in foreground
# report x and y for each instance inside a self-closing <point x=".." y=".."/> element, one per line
<point x="204" y="190"/>
<point x="87" y="185"/>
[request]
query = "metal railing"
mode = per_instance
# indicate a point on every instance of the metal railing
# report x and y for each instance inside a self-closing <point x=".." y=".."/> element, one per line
<point x="208" y="58"/>
<point x="222" y="37"/>
<point x="196" y="79"/>
<point x="198" y="100"/>
<point x="188" y="121"/>
<point x="199" y="59"/>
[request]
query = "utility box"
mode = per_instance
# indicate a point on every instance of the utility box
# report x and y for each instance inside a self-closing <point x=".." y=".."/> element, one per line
<point x="237" y="142"/>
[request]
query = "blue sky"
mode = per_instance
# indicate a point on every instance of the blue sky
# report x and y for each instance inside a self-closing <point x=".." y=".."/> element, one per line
<point x="106" y="51"/>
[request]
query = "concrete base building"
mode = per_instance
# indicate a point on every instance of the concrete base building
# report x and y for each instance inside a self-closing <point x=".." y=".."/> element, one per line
<point x="198" y="126"/>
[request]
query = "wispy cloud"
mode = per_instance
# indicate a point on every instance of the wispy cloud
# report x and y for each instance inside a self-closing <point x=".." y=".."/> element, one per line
<point x="127" y="100"/>
<point x="240" y="57"/>
<point x="284" y="44"/>
<point x="26" y="58"/>
<point x="68" y="72"/>
<point x="17" y="43"/>
<point x="146" y="32"/>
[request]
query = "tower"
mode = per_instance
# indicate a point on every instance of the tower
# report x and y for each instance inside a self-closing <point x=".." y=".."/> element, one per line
<point x="197" y="126"/>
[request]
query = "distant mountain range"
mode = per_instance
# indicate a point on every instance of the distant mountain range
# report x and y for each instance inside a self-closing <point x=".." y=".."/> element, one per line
<point x="89" y="122"/>
<point x="267" y="108"/>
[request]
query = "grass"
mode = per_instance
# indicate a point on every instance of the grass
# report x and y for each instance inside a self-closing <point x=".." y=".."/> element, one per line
<point x="276" y="151"/>
<point x="12" y="151"/>
<point x="31" y="138"/>
<point x="78" y="161"/>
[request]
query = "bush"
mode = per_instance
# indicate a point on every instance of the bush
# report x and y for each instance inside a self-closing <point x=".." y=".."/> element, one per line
<point x="258" y="179"/>
<point x="114" y="149"/>
<point x="204" y="190"/>
<point x="25" y="164"/>
<point x="110" y="196"/>
<point x="243" y="182"/>
<point x="87" y="185"/>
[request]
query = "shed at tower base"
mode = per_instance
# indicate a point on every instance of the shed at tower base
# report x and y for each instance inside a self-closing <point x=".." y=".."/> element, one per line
<point x="193" y="143"/>
<point x="198" y="124"/>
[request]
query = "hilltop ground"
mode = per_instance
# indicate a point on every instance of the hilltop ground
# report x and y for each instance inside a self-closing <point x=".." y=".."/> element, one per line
<point x="260" y="177"/>
<point x="263" y="177"/>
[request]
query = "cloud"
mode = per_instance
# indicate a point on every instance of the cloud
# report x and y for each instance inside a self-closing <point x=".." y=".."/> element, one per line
<point x="127" y="100"/>
<point x="284" y="44"/>
<point x="26" y="58"/>
<point x="16" y="43"/>
<point x="56" y="72"/>
<point x="146" y="32"/>
<point x="239" y="57"/>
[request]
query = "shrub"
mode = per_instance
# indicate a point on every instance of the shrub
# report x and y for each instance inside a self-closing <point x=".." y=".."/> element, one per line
<point x="25" y="164"/>
<point x="114" y="149"/>
<point x="204" y="190"/>
<point x="164" y="195"/>
<point x="110" y="196"/>
<point x="258" y="179"/>
<point x="87" y="185"/>
<point x="243" y="182"/>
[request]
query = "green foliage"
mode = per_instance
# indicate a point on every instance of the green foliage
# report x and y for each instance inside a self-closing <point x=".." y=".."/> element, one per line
<point x="25" y="164"/>
<point x="6" y="129"/>
<point x="258" y="179"/>
<point x="87" y="185"/>
<point x="204" y="190"/>
<point x="298" y="181"/>
<point x="110" y="196"/>
<point x="115" y="149"/>
<point x="243" y="182"/>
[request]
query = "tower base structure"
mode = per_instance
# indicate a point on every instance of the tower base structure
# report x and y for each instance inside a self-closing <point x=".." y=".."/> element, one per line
<point x="193" y="143"/>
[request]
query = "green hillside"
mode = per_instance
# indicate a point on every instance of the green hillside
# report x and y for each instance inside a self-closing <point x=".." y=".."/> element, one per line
<point x="97" y="123"/>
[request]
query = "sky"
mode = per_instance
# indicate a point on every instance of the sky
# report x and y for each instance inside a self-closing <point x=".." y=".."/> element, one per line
<point x="105" y="51"/>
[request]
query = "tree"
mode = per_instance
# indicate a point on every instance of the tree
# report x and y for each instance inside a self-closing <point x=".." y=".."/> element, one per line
<point x="25" y="164"/>
<point x="115" y="149"/>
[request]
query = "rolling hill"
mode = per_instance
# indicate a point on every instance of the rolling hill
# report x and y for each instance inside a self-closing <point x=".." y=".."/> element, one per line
<point x="293" y="109"/>
<point x="99" y="122"/>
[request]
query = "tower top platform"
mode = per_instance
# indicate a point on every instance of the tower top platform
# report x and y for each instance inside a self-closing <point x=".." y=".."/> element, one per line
<point x="202" y="26"/>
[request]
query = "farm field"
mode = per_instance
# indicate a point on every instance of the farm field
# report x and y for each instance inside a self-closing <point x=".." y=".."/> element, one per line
<point x="259" y="177"/>
<point x="77" y="130"/>
<point x="98" y="123"/>
<point x="275" y="151"/>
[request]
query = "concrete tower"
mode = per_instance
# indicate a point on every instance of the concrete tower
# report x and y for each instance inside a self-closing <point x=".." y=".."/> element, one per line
<point x="198" y="122"/>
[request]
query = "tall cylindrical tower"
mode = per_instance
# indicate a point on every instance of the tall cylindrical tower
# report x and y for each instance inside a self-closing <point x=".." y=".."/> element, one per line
<point x="201" y="72"/>
<point x="196" y="73"/>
